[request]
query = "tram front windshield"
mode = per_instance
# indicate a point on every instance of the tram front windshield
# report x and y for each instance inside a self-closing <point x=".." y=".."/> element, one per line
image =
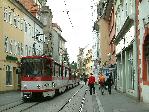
<point x="31" y="66"/>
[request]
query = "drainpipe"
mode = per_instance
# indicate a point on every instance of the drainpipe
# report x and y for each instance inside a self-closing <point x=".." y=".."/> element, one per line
<point x="137" y="48"/>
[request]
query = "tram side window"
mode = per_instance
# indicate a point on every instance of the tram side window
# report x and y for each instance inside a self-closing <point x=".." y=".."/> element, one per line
<point x="56" y="70"/>
<point x="48" y="68"/>
<point x="65" y="73"/>
<point x="61" y="70"/>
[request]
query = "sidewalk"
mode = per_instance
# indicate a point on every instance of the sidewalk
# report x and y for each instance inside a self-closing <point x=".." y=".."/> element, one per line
<point x="119" y="102"/>
<point x="6" y="97"/>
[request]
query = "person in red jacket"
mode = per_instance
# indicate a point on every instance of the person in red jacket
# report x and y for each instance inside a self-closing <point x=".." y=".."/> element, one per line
<point x="91" y="82"/>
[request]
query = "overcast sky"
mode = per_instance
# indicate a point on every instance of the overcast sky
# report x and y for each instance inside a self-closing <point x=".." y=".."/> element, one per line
<point x="75" y="17"/>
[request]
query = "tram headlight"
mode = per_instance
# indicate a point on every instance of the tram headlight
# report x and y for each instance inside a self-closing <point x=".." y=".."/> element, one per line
<point x="53" y="84"/>
<point x="24" y="86"/>
<point x="38" y="86"/>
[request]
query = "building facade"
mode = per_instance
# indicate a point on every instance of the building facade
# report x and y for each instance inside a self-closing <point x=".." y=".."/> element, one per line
<point x="126" y="48"/>
<point x="47" y="16"/>
<point x="88" y="58"/>
<point x="59" y="43"/>
<point x="80" y="62"/>
<point x="142" y="22"/>
<point x="19" y="33"/>
<point x="11" y="44"/>
<point x="104" y="35"/>
<point x="95" y="55"/>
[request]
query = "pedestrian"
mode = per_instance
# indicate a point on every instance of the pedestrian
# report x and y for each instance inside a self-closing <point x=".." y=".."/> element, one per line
<point x="91" y="82"/>
<point x="102" y="82"/>
<point x="109" y="83"/>
<point x="85" y="79"/>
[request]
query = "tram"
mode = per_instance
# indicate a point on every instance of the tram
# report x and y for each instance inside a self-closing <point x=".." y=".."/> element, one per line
<point x="41" y="76"/>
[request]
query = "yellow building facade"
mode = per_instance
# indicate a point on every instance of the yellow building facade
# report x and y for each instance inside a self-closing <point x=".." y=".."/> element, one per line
<point x="89" y="62"/>
<point x="11" y="43"/>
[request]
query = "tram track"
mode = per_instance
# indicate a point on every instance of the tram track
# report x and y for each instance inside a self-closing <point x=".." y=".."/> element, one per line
<point x="71" y="98"/>
<point x="20" y="106"/>
<point x="11" y="105"/>
<point x="37" y="103"/>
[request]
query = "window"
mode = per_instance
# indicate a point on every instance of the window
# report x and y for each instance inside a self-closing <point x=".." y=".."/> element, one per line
<point x="148" y="70"/>
<point x="15" y="21"/>
<point x="25" y="27"/>
<point x="21" y="49"/>
<point x="6" y="44"/>
<point x="5" y="14"/>
<point x="10" y="16"/>
<point x="18" y="22"/>
<point x="30" y="51"/>
<point x="18" y="49"/>
<point x="8" y="75"/>
<point x="26" y="50"/>
<point x="21" y="24"/>
<point x="10" y="47"/>
<point x="119" y="70"/>
<point x="57" y="70"/>
<point x="131" y="6"/>
<point x="15" y="48"/>
<point x="126" y="9"/>
<point x="64" y="71"/>
<point x="29" y="29"/>
<point x="131" y="69"/>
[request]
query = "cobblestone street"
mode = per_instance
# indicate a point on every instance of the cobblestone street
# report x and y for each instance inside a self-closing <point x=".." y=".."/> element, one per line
<point x="116" y="102"/>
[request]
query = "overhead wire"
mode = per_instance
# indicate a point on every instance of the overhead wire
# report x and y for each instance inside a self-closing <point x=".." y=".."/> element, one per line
<point x="67" y="12"/>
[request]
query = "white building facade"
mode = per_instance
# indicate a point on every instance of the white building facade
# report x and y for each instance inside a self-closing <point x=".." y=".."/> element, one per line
<point x="33" y="36"/>
<point x="126" y="47"/>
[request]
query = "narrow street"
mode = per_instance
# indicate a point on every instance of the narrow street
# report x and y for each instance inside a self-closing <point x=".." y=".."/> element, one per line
<point x="77" y="99"/>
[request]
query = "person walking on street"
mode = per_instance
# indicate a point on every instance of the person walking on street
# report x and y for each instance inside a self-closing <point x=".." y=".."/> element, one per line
<point x="109" y="83"/>
<point x="102" y="82"/>
<point x="91" y="82"/>
<point x="85" y="79"/>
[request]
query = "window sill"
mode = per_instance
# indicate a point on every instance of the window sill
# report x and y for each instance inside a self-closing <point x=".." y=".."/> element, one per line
<point x="9" y="85"/>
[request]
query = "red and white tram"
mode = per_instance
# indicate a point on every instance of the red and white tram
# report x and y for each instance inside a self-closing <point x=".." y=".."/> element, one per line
<point x="41" y="76"/>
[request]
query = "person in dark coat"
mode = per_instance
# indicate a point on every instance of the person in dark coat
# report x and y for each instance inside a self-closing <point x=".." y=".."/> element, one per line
<point x="85" y="78"/>
<point x="109" y="83"/>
